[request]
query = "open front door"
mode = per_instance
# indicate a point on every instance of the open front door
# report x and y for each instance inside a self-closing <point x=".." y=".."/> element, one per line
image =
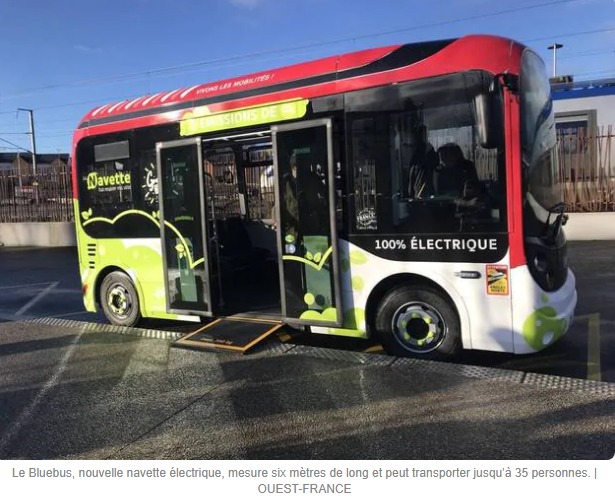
<point x="183" y="212"/>
<point x="306" y="233"/>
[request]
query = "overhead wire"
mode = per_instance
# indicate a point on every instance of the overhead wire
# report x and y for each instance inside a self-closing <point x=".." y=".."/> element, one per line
<point x="152" y="72"/>
<point x="234" y="60"/>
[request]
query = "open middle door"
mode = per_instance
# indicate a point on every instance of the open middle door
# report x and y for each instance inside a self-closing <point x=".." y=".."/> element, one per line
<point x="184" y="234"/>
<point x="307" y="234"/>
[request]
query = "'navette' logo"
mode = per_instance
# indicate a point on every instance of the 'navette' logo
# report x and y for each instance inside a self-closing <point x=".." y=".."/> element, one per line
<point x="95" y="181"/>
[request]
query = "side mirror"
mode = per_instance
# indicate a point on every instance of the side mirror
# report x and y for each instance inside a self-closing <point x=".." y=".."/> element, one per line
<point x="489" y="116"/>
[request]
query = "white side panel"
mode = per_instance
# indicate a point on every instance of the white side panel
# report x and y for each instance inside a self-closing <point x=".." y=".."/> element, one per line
<point x="485" y="319"/>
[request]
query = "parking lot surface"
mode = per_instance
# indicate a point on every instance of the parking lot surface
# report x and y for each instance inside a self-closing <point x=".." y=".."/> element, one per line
<point x="72" y="387"/>
<point x="38" y="283"/>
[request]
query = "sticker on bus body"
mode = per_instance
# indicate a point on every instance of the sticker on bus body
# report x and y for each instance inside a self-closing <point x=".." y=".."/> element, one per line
<point x="497" y="279"/>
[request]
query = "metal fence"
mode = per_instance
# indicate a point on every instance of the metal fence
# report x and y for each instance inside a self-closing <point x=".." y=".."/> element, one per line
<point x="44" y="197"/>
<point x="586" y="175"/>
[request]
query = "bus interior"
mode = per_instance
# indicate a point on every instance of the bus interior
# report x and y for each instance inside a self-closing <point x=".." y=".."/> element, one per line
<point x="238" y="202"/>
<point x="238" y="174"/>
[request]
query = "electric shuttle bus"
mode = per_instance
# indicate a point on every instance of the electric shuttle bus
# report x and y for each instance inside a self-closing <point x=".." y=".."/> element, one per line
<point x="407" y="194"/>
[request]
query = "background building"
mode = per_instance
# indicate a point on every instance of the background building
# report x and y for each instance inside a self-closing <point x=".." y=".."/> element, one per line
<point x="20" y="163"/>
<point x="584" y="116"/>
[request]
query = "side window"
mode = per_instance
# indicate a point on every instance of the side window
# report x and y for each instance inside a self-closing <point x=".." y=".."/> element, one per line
<point x="118" y="183"/>
<point x="340" y="178"/>
<point x="363" y="148"/>
<point x="147" y="173"/>
<point x="106" y="184"/>
<point x="417" y="163"/>
<point x="109" y="185"/>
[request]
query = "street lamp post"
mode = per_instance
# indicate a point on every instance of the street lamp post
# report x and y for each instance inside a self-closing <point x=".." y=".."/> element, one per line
<point x="554" y="48"/>
<point x="33" y="143"/>
<point x="32" y="137"/>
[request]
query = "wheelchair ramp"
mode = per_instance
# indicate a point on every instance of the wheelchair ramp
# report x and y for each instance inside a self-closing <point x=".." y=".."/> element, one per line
<point x="233" y="333"/>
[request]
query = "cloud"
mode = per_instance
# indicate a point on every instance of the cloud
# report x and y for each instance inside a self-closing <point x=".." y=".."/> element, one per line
<point x="246" y="4"/>
<point x="87" y="49"/>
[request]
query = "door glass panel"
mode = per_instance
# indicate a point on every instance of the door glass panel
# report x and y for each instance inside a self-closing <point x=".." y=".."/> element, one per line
<point x="308" y="269"/>
<point x="182" y="194"/>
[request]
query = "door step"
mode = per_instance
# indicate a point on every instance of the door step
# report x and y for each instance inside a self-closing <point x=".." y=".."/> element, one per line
<point x="231" y="334"/>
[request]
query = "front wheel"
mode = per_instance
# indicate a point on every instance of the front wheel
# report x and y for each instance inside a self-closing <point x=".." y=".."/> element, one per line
<point x="119" y="300"/>
<point x="418" y="322"/>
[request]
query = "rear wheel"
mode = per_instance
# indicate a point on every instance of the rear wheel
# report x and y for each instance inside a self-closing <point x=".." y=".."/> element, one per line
<point x="418" y="322"/>
<point x="119" y="300"/>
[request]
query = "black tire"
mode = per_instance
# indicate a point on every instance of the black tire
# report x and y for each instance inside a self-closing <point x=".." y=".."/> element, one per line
<point x="119" y="300"/>
<point x="418" y="322"/>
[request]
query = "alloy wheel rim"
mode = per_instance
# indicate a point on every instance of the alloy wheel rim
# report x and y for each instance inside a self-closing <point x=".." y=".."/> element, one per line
<point x="119" y="300"/>
<point x="418" y="327"/>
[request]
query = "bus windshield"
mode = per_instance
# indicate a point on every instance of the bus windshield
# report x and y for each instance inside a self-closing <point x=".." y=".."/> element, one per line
<point x="545" y="242"/>
<point x="538" y="141"/>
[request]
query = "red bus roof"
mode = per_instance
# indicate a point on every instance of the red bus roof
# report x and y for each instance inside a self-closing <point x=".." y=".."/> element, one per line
<point x="220" y="88"/>
<point x="470" y="52"/>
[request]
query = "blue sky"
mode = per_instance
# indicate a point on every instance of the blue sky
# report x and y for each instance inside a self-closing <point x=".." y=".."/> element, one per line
<point x="61" y="58"/>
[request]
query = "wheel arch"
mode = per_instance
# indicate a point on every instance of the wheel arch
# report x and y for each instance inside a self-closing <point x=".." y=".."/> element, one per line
<point x="447" y="290"/>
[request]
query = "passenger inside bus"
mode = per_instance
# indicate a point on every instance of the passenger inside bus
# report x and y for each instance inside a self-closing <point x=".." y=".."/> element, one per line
<point x="456" y="177"/>
<point x="290" y="208"/>
<point x="454" y="173"/>
<point x="444" y="189"/>
<point x="304" y="211"/>
<point x="313" y="204"/>
<point x="423" y="162"/>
